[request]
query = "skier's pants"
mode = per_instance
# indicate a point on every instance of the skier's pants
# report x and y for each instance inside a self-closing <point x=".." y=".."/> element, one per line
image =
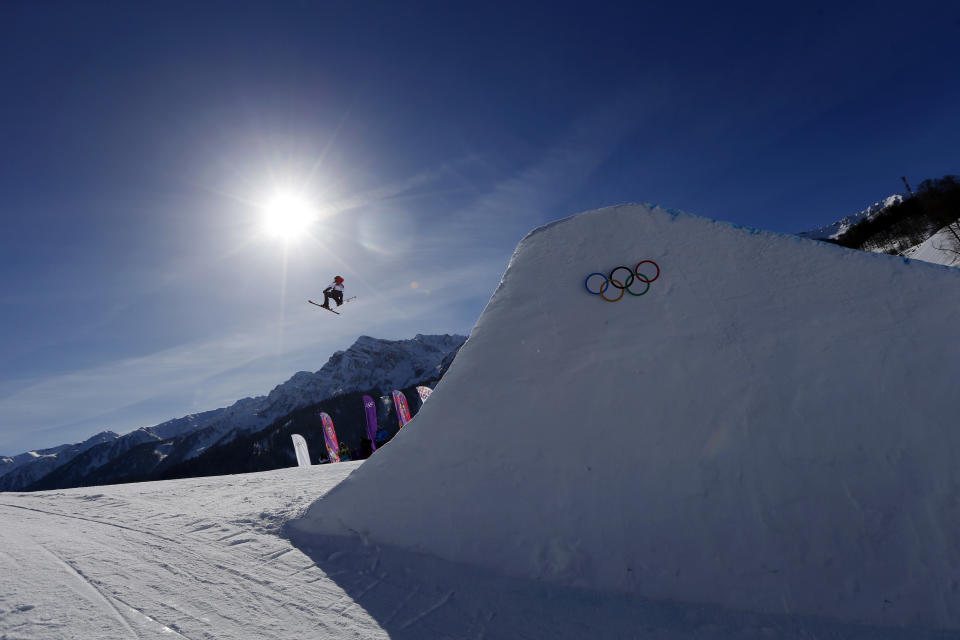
<point x="332" y="293"/>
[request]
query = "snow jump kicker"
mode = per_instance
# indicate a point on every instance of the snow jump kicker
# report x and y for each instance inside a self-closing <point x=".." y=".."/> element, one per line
<point x="624" y="286"/>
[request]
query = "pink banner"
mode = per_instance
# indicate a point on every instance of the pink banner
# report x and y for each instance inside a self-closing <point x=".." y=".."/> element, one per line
<point x="330" y="438"/>
<point x="403" y="410"/>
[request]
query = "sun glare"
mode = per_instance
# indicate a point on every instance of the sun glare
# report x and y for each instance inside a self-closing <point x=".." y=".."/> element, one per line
<point x="288" y="216"/>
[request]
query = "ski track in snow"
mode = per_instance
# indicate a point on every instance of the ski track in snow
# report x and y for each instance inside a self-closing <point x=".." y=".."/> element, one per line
<point x="171" y="573"/>
<point x="206" y="558"/>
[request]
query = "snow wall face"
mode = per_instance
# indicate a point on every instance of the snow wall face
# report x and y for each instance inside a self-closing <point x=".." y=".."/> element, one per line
<point x="773" y="426"/>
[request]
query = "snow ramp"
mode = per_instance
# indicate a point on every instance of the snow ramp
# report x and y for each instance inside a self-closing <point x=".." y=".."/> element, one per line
<point x="773" y="426"/>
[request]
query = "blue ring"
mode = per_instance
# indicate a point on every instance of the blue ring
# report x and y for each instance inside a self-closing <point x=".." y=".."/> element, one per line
<point x="606" y="283"/>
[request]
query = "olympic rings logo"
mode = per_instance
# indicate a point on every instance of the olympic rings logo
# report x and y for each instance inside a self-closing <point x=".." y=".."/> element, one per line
<point x="633" y="276"/>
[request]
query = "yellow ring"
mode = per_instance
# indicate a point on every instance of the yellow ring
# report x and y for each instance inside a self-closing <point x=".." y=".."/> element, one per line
<point x="617" y="285"/>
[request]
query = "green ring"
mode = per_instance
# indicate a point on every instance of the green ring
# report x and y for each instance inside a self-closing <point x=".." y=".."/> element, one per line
<point x="647" y="282"/>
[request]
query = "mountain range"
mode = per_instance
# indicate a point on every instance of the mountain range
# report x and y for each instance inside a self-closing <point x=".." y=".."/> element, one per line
<point x="370" y="366"/>
<point x="838" y="228"/>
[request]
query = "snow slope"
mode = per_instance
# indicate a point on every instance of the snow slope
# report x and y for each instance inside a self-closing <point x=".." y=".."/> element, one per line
<point x="931" y="250"/>
<point x="204" y="558"/>
<point x="178" y="559"/>
<point x="936" y="249"/>
<point x="771" y="428"/>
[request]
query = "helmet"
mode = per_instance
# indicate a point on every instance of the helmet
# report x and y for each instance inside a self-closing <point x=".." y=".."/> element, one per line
<point x="337" y="279"/>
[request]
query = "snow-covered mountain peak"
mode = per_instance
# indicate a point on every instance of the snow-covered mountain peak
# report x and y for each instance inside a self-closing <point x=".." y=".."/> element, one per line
<point x="368" y="364"/>
<point x="103" y="436"/>
<point x="939" y="248"/>
<point x="27" y="467"/>
<point x="367" y="342"/>
<point x="838" y="228"/>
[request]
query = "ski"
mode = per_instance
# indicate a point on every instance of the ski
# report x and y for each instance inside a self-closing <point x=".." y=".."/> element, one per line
<point x="323" y="307"/>
<point x="328" y="308"/>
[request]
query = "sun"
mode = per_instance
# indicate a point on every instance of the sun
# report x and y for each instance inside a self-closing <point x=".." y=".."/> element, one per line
<point x="288" y="216"/>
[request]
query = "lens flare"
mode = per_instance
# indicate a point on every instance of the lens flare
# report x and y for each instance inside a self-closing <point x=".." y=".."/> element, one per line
<point x="288" y="216"/>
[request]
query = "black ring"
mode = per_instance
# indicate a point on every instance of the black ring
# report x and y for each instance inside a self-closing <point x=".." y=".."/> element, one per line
<point x="629" y="281"/>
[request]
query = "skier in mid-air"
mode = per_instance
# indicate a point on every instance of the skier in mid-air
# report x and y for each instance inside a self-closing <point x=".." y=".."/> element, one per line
<point x="335" y="291"/>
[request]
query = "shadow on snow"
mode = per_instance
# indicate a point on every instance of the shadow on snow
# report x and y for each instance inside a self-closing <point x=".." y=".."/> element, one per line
<point x="413" y="596"/>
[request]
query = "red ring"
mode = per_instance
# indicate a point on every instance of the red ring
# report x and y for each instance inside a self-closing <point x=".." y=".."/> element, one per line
<point x="643" y="278"/>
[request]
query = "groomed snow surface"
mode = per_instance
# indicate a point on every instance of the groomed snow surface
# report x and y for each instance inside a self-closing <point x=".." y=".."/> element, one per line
<point x="763" y="445"/>
<point x="206" y="558"/>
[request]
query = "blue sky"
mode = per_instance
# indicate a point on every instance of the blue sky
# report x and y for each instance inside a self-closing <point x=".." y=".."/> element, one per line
<point x="139" y="143"/>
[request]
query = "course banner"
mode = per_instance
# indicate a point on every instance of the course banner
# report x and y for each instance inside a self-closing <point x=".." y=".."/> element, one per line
<point x="330" y="438"/>
<point x="424" y="393"/>
<point x="403" y="410"/>
<point x="370" y="409"/>
<point x="300" y="446"/>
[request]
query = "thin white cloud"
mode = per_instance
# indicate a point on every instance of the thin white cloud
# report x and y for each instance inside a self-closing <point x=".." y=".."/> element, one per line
<point x="562" y="170"/>
<point x="103" y="388"/>
<point x="393" y="190"/>
<point x="216" y="373"/>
